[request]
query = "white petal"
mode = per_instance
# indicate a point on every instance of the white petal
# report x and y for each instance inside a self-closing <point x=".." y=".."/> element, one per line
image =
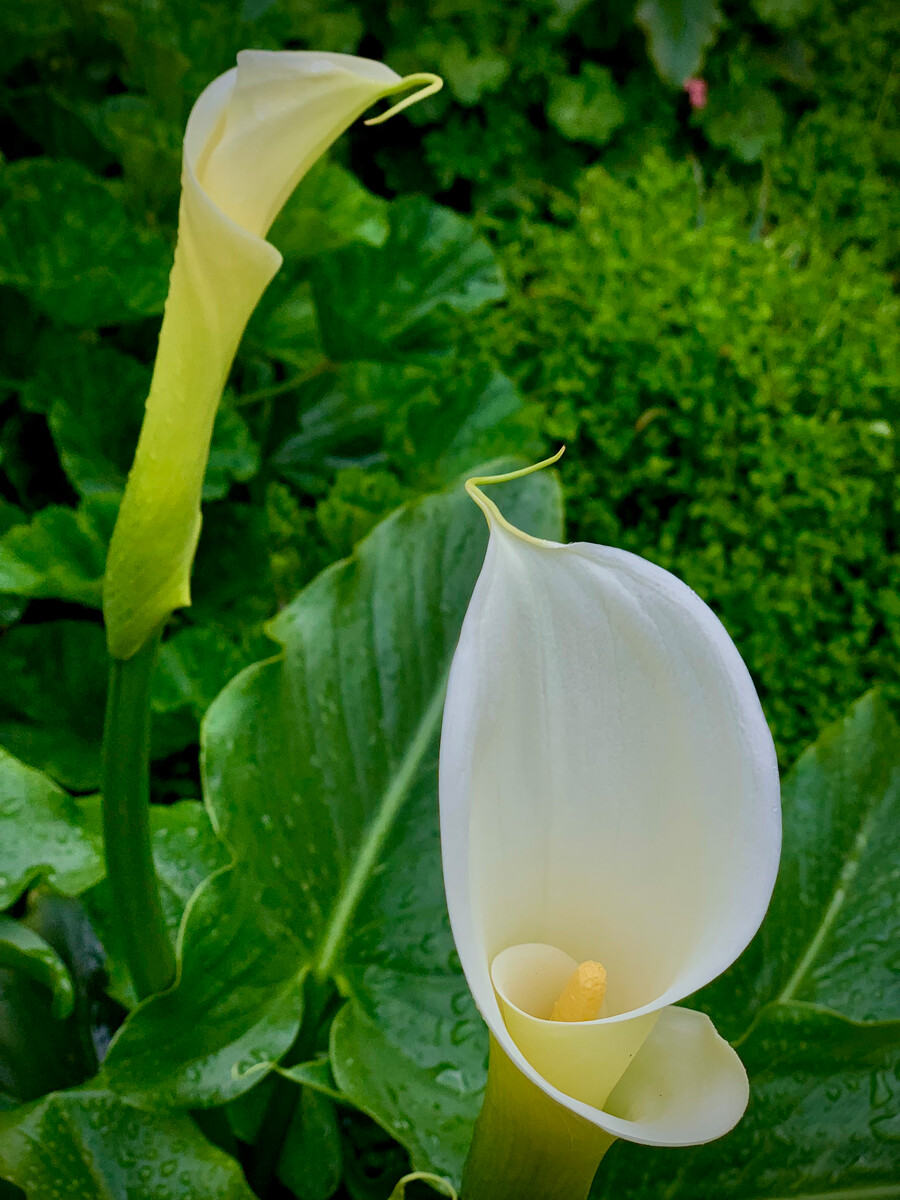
<point x="286" y="109"/>
<point x="608" y="781"/>
<point x="686" y="1086"/>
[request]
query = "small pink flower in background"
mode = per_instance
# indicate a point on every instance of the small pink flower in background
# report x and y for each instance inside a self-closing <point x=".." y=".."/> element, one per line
<point x="697" y="90"/>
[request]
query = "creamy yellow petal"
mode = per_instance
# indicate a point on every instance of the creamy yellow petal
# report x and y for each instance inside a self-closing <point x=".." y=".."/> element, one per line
<point x="251" y="136"/>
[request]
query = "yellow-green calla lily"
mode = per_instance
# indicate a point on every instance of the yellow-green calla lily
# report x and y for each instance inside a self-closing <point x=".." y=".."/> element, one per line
<point x="250" y="138"/>
<point x="609" y="797"/>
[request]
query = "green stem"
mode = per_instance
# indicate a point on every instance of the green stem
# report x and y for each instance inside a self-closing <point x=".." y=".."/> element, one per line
<point x="286" y="1094"/>
<point x="126" y="822"/>
<point x="526" y="1146"/>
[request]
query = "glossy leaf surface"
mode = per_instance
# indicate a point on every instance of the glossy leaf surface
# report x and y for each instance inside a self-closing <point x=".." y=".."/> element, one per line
<point x="311" y="762"/>
<point x="87" y="1145"/>
<point x="42" y="835"/>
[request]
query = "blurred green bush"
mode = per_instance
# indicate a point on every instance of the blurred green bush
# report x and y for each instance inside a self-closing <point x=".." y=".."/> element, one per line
<point x="729" y="408"/>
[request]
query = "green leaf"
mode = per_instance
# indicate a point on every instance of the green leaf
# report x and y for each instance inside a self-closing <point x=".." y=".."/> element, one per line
<point x="67" y="243"/>
<point x="233" y="1011"/>
<point x="193" y="667"/>
<point x="784" y="14"/>
<point x="186" y="852"/>
<point x="426" y="1110"/>
<point x="61" y="553"/>
<point x="40" y="1050"/>
<point x="285" y="326"/>
<point x="746" y="120"/>
<point x="310" y="1163"/>
<point x="469" y="418"/>
<point x="822" y="1123"/>
<point x="586" y="107"/>
<point x="88" y="1145"/>
<point x="233" y="454"/>
<point x="329" y="208"/>
<point x="51" y="709"/>
<point x="309" y="762"/>
<point x="149" y="147"/>
<point x="832" y="932"/>
<point x="346" y="721"/>
<point x="411" y="1050"/>
<point x="42" y="835"/>
<point x="94" y="400"/>
<point x="679" y="32"/>
<point x="21" y="949"/>
<point x="377" y="303"/>
<point x="316" y="1074"/>
<point x="470" y="76"/>
<point x="434" y="424"/>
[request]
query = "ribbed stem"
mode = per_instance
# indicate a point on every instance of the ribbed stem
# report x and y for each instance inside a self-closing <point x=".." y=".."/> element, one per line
<point x="126" y="822"/>
<point x="526" y="1146"/>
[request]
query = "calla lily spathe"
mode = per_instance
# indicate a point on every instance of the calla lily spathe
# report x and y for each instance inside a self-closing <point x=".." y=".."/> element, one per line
<point x="250" y="138"/>
<point x="608" y="792"/>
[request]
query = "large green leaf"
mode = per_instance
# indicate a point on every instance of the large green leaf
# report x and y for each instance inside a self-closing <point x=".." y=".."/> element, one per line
<point x="411" y="1050"/>
<point x="678" y="34"/>
<point x="50" y="1042"/>
<point x="832" y="933"/>
<point x="434" y="424"/>
<point x="310" y="758"/>
<point x="42" y="835"/>
<point x="93" y="396"/>
<point x="234" y="1010"/>
<point x="823" y="1121"/>
<point x="68" y="243"/>
<point x="61" y="553"/>
<point x="329" y="208"/>
<point x="186" y="852"/>
<point x="51" y="709"/>
<point x="310" y="761"/>
<point x="22" y="949"/>
<point x="383" y="302"/>
<point x="89" y="1145"/>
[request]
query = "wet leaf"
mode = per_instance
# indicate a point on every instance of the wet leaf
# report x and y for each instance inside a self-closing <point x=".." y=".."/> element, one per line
<point x="385" y="302"/>
<point x="823" y="1121"/>
<point x="832" y="933"/>
<point x="310" y="761"/>
<point x="88" y="1145"/>
<point x="42" y="835"/>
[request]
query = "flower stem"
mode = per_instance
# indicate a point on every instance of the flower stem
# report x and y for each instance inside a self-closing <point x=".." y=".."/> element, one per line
<point x="286" y="1094"/>
<point x="126" y="821"/>
<point x="526" y="1146"/>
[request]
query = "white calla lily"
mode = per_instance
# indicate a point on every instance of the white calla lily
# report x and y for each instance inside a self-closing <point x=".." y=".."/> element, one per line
<point x="609" y="792"/>
<point x="250" y="138"/>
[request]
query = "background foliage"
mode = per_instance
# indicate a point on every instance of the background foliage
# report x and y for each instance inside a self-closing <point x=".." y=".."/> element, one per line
<point x="700" y="301"/>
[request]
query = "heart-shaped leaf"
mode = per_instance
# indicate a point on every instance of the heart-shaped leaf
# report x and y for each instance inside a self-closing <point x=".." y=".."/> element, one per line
<point x="88" y="1143"/>
<point x="311" y="761"/>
